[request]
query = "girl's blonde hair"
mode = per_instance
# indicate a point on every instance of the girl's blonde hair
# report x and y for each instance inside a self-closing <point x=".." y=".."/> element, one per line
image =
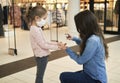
<point x="35" y="11"/>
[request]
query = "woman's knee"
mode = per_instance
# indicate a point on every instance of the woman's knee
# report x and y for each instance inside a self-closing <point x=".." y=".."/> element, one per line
<point x="62" y="75"/>
<point x="65" y="75"/>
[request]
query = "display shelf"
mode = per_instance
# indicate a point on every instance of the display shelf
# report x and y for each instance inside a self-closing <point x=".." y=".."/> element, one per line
<point x="84" y="4"/>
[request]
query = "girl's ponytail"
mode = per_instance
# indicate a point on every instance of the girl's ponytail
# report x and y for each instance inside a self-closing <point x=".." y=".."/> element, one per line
<point x="35" y="11"/>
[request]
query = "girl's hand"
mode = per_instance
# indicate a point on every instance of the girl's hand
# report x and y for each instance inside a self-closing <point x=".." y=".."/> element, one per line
<point x="62" y="45"/>
<point x="68" y="36"/>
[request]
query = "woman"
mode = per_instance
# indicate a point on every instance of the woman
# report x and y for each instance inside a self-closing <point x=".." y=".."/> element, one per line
<point x="93" y="51"/>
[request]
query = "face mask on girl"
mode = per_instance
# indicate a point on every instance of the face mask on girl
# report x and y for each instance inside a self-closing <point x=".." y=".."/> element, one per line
<point x="41" y="23"/>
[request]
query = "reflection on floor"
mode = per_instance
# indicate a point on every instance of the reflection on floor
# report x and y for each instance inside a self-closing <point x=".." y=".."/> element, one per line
<point x="23" y="66"/>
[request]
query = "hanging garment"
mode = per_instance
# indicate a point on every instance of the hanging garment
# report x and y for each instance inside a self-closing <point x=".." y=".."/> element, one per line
<point x="5" y="5"/>
<point x="60" y="19"/>
<point x="49" y="18"/>
<point x="17" y="16"/>
<point x="23" y="16"/>
<point x="5" y="12"/>
<point x="57" y="19"/>
<point x="116" y="9"/>
<point x="1" y="22"/>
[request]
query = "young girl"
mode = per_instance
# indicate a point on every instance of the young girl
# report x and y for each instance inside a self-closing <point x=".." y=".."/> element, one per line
<point x="93" y="51"/>
<point x="37" y="19"/>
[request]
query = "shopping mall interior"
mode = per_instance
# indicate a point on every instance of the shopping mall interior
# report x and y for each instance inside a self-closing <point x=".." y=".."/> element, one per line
<point x="17" y="63"/>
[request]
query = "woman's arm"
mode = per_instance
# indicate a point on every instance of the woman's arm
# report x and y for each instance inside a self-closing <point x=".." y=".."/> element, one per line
<point x="88" y="53"/>
<point x="77" y="40"/>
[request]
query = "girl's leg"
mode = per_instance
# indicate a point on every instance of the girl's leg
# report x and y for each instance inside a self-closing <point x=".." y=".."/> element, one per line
<point x="41" y="66"/>
<point x="76" y="77"/>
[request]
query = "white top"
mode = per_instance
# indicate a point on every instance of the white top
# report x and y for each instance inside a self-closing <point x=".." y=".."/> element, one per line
<point x="5" y="3"/>
<point x="39" y="43"/>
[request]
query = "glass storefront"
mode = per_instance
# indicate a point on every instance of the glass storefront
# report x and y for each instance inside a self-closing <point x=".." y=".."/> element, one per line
<point x="106" y="12"/>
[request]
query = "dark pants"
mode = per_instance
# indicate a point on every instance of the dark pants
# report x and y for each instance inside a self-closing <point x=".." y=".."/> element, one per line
<point x="24" y="24"/>
<point x="5" y="11"/>
<point x="41" y="66"/>
<point x="1" y="22"/>
<point x="1" y="28"/>
<point x="76" y="77"/>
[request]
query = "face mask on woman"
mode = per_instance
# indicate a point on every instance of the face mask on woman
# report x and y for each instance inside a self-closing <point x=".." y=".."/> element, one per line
<point x="41" y="23"/>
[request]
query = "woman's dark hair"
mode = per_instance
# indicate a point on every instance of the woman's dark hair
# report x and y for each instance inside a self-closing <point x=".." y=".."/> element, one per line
<point x="35" y="11"/>
<point x="87" y="25"/>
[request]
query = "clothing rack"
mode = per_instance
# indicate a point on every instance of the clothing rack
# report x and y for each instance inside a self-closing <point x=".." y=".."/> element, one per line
<point x="13" y="51"/>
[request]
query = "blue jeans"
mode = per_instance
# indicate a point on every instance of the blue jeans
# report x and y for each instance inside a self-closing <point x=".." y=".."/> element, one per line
<point x="41" y="66"/>
<point x="76" y="77"/>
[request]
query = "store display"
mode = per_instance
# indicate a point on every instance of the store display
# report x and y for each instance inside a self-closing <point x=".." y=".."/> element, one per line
<point x="5" y="5"/>
<point x="84" y="5"/>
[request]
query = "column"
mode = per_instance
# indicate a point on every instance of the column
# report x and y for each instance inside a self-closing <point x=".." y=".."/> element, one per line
<point x="73" y="9"/>
<point x="119" y="17"/>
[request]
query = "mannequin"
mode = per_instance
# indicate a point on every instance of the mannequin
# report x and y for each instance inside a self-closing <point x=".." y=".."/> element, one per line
<point x="5" y="5"/>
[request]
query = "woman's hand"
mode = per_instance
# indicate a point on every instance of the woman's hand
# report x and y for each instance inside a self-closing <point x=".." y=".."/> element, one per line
<point x="62" y="45"/>
<point x="68" y="36"/>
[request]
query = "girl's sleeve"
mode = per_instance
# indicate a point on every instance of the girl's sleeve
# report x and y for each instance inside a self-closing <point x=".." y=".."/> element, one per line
<point x="88" y="53"/>
<point x="41" y="42"/>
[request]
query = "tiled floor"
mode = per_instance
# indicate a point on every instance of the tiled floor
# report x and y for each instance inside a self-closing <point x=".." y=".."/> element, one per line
<point x="55" y="67"/>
